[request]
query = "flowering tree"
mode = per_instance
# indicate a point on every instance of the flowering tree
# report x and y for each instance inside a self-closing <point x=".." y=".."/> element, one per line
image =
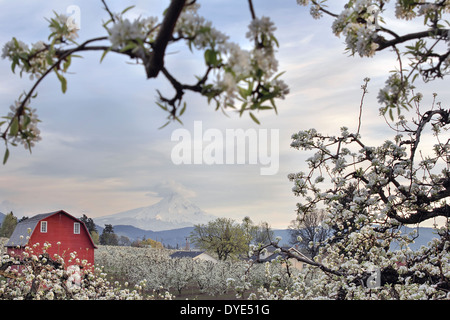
<point x="362" y="24"/>
<point x="232" y="75"/>
<point x="370" y="192"/>
<point x="41" y="277"/>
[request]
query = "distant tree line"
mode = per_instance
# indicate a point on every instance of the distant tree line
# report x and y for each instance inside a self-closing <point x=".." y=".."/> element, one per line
<point x="8" y="225"/>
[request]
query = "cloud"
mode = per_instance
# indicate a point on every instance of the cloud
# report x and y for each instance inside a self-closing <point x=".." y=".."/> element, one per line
<point x="169" y="187"/>
<point x="7" y="206"/>
<point x="102" y="152"/>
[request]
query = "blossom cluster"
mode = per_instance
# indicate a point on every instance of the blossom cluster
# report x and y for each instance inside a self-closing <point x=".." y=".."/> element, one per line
<point x="369" y="193"/>
<point x="125" y="32"/>
<point x="22" y="118"/>
<point x="395" y="92"/>
<point x="239" y="72"/>
<point x="357" y="22"/>
<point x="62" y="28"/>
<point x="366" y="32"/>
<point x="37" y="276"/>
<point x="244" y="75"/>
<point x="36" y="61"/>
<point x="24" y="122"/>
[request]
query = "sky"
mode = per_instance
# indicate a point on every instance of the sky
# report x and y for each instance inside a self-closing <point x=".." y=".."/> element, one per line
<point x="102" y="152"/>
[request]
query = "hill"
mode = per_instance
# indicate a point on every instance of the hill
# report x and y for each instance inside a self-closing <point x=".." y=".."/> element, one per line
<point x="175" y="238"/>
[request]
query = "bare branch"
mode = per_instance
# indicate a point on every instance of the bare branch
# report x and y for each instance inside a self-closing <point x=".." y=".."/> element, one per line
<point x="252" y="9"/>
<point x="155" y="61"/>
<point x="383" y="43"/>
<point x="109" y="11"/>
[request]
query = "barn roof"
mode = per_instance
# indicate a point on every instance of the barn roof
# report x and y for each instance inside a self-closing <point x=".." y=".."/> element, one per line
<point x="26" y="227"/>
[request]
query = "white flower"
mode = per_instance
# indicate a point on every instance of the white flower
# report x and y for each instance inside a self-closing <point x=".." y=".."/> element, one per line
<point x="72" y="29"/>
<point x="14" y="47"/>
<point x="360" y="39"/>
<point x="239" y="60"/>
<point x="315" y="12"/>
<point x="123" y="31"/>
<point x="281" y="87"/>
<point x="394" y="90"/>
<point x="40" y="45"/>
<point x="260" y="26"/>
<point x="228" y="84"/>
<point x="265" y="60"/>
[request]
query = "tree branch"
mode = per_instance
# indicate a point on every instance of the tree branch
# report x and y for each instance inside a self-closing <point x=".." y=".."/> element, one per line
<point x="306" y="260"/>
<point x="109" y="11"/>
<point x="62" y="56"/>
<point x="383" y="43"/>
<point x="252" y="9"/>
<point x="155" y="62"/>
<point x="445" y="119"/>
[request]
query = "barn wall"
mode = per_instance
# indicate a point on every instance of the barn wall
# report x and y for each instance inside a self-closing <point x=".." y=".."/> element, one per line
<point x="60" y="229"/>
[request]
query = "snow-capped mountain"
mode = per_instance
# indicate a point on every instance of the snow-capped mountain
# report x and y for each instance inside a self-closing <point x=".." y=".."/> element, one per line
<point x="172" y="212"/>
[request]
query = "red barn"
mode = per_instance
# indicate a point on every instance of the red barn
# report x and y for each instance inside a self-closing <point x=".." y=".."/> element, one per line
<point x="64" y="232"/>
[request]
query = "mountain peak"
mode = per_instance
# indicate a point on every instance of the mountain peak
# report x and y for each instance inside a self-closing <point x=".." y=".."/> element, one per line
<point x="171" y="212"/>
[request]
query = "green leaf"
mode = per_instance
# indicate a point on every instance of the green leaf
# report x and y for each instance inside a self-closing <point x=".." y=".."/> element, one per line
<point x="165" y="125"/>
<point x="161" y="106"/>
<point x="243" y="92"/>
<point x="27" y="121"/>
<point x="63" y="82"/>
<point x="67" y="63"/>
<point x="211" y="58"/>
<point x="259" y="73"/>
<point x="272" y="101"/>
<point x="279" y="75"/>
<point x="244" y="105"/>
<point x="272" y="37"/>
<point x="104" y="54"/>
<point x="49" y="58"/>
<point x="129" y="46"/>
<point x="254" y="118"/>
<point x="14" y="129"/>
<point x="208" y="57"/>
<point x="177" y="119"/>
<point x="182" y="110"/>
<point x="127" y="8"/>
<point x="6" y="156"/>
<point x="250" y="87"/>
